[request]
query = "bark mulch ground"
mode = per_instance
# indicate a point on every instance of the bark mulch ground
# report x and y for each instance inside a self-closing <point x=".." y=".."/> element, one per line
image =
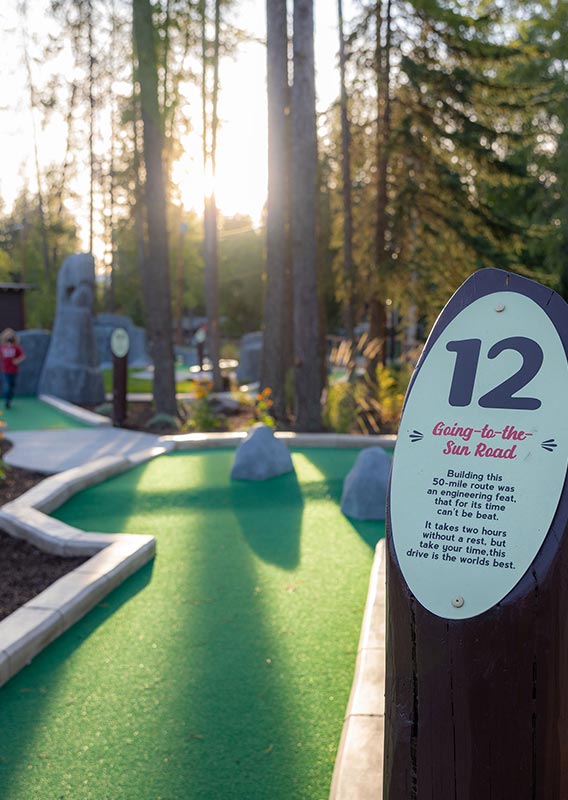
<point x="25" y="571"/>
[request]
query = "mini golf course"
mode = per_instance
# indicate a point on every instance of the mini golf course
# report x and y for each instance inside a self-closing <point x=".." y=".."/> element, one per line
<point x="31" y="414"/>
<point x="221" y="670"/>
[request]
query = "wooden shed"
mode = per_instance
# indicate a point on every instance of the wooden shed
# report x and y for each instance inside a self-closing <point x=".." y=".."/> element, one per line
<point x="12" y="307"/>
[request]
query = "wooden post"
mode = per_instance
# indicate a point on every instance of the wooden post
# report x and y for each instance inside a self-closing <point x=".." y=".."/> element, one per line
<point x="119" y="345"/>
<point x="477" y="554"/>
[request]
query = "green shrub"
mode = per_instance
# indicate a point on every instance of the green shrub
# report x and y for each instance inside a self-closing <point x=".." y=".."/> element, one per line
<point x="392" y="383"/>
<point x="202" y="417"/>
<point x="363" y="406"/>
<point x="229" y="350"/>
<point x="162" y="422"/>
<point x="105" y="409"/>
<point x="340" y="410"/>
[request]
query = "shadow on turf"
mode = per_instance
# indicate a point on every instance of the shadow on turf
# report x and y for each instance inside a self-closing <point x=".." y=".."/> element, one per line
<point x="266" y="541"/>
<point x="242" y="708"/>
<point x="370" y="531"/>
<point x="25" y="697"/>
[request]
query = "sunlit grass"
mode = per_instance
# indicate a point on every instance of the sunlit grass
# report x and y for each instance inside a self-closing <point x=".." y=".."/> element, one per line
<point x="139" y="385"/>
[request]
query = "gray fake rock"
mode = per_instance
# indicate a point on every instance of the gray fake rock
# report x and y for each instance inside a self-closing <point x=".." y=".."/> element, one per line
<point x="365" y="487"/>
<point x="71" y="370"/>
<point x="137" y="352"/>
<point x="34" y="344"/>
<point x="250" y="355"/>
<point x="261" y="456"/>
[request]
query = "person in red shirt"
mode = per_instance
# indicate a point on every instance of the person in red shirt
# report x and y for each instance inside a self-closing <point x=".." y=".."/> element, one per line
<point x="11" y="356"/>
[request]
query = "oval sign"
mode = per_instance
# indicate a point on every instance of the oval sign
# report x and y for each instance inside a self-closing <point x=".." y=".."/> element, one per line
<point x="119" y="342"/>
<point x="480" y="460"/>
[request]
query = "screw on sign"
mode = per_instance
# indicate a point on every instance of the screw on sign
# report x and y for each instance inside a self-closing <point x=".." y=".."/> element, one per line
<point x="477" y="554"/>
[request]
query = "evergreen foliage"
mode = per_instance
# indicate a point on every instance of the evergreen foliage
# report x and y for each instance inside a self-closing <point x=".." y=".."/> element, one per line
<point x="456" y="149"/>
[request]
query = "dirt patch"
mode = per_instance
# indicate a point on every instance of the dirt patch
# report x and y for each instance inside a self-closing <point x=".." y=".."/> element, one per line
<point x="140" y="413"/>
<point x="16" y="481"/>
<point x="25" y="571"/>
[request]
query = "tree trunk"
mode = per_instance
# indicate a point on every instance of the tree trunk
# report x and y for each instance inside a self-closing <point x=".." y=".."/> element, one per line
<point x="348" y="272"/>
<point x="155" y="275"/>
<point x="68" y="152"/>
<point x="211" y="245"/>
<point x="377" y="332"/>
<point x="138" y="188"/>
<point x="111" y="232"/>
<point x="563" y="188"/>
<point x="307" y="384"/>
<point x="179" y="277"/>
<point x="376" y="343"/>
<point x="91" y="123"/>
<point x="276" y="332"/>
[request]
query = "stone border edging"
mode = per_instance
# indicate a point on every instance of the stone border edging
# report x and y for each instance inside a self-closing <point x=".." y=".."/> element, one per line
<point x="76" y="412"/>
<point x="209" y="441"/>
<point x="358" y="772"/>
<point x="114" y="557"/>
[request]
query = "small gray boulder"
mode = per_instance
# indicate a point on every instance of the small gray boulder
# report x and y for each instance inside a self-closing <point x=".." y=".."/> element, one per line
<point x="261" y="456"/>
<point x="365" y="487"/>
<point x="250" y="357"/>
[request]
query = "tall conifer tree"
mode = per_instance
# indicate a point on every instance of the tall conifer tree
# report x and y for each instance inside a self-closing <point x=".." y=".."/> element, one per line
<point x="276" y="329"/>
<point x="307" y="378"/>
<point x="155" y="272"/>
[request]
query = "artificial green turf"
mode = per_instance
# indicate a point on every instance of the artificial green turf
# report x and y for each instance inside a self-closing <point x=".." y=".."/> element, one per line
<point x="221" y="671"/>
<point x="29" y="414"/>
<point x="144" y="385"/>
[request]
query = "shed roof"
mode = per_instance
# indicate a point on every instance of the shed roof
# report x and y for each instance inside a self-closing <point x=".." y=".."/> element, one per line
<point x="16" y="287"/>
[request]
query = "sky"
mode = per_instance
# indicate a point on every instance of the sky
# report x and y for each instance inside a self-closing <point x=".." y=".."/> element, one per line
<point x="241" y="168"/>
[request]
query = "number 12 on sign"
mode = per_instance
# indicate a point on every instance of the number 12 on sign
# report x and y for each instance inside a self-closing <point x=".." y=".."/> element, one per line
<point x="503" y="395"/>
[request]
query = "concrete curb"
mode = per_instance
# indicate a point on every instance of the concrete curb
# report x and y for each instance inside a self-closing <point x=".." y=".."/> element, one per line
<point x="76" y="412"/>
<point x="358" y="772"/>
<point x="115" y="557"/>
<point x="210" y="441"/>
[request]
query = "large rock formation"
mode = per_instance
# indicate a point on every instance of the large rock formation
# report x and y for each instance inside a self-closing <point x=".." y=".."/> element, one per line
<point x="35" y="344"/>
<point x="71" y="370"/>
<point x="365" y="487"/>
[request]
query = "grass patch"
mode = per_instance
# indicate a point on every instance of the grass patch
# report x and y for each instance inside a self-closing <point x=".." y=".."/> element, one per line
<point x="142" y="385"/>
<point x="223" y="670"/>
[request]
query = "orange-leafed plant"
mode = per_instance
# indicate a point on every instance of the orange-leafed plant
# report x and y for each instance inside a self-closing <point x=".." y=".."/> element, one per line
<point x="263" y="408"/>
<point x="202" y="417"/>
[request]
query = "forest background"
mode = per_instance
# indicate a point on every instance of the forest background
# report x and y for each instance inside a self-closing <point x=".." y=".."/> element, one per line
<point x="442" y="150"/>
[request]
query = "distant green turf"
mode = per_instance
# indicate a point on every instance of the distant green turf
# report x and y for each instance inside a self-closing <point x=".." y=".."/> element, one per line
<point x="29" y="413"/>
<point x="135" y="384"/>
<point x="221" y="671"/>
